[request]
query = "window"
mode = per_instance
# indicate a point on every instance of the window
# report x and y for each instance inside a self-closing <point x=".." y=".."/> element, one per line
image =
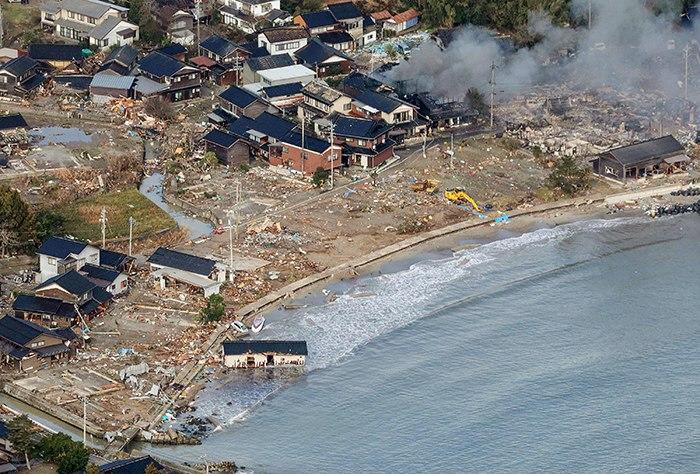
<point x="51" y="261"/>
<point x="3" y="79"/>
<point x="361" y="142"/>
<point x="124" y="283"/>
<point x="284" y="46"/>
<point x="347" y="106"/>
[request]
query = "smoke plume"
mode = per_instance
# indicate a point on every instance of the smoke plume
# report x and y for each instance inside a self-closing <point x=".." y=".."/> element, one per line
<point x="628" y="46"/>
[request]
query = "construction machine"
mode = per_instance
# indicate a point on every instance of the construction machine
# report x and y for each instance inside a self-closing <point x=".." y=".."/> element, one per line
<point x="460" y="196"/>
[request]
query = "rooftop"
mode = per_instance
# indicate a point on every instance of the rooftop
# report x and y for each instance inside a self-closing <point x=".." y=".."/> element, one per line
<point x="335" y="37"/>
<point x="319" y="19"/>
<point x="110" y="81"/>
<point x="405" y="16"/>
<point x="238" y="96"/>
<point x="19" y="66"/>
<point x="71" y="281"/>
<point x="219" y="45"/>
<point x="173" y="49"/>
<point x="286" y="72"/>
<point x="12" y="121"/>
<point x="61" y="247"/>
<point x="285" y="33"/>
<point x="639" y="152"/>
<point x="316" y="52"/>
<point x="21" y="332"/>
<point x="182" y="261"/>
<point x="91" y="8"/>
<point x="109" y="258"/>
<point x="54" y="52"/>
<point x="160" y="65"/>
<point x="283" y="90"/>
<point x="345" y="11"/>
<point x="346" y="126"/>
<point x="220" y="138"/>
<point x="125" y="55"/>
<point x="277" y="347"/>
<point x="270" y="62"/>
<point x="378" y="101"/>
<point x="266" y="123"/>
<point x="310" y="143"/>
<point x="322" y="91"/>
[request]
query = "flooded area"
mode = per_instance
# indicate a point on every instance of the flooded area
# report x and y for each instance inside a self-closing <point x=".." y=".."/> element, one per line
<point x="152" y="188"/>
<point x="58" y="136"/>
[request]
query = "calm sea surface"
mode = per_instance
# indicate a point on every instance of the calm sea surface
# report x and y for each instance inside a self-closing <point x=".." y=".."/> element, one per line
<point x="572" y="349"/>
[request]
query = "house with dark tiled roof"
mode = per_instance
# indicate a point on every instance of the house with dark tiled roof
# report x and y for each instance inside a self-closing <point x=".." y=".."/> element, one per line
<point x="283" y="40"/>
<point x="285" y="96"/>
<point x="304" y="153"/>
<point x="21" y="76"/>
<point x="137" y="465"/>
<point x="382" y="106"/>
<point x="229" y="58"/>
<point x="317" y="22"/>
<point x="261" y="132"/>
<point x="56" y="56"/>
<point x="324" y="59"/>
<point x="656" y="156"/>
<point x="254" y="65"/>
<point x="180" y="81"/>
<point x="120" y="61"/>
<point x="12" y="123"/>
<point x="241" y="102"/>
<point x="173" y="266"/>
<point x="365" y="142"/>
<point x="252" y="354"/>
<point x="229" y="149"/>
<point x="320" y="100"/>
<point x="27" y="346"/>
<point x="350" y="17"/>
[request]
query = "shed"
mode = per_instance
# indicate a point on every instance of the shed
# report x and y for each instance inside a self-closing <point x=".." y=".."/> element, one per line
<point x="252" y="354"/>
<point x="105" y="87"/>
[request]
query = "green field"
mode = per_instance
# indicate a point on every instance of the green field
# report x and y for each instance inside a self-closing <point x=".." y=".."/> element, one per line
<point x="82" y="217"/>
<point x="19" y="19"/>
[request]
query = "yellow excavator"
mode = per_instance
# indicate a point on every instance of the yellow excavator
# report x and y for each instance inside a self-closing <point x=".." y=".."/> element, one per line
<point x="460" y="196"/>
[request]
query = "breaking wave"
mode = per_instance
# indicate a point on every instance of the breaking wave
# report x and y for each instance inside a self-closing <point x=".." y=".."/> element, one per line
<point x="375" y="306"/>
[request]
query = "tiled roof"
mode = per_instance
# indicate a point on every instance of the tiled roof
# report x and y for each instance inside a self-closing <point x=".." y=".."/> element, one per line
<point x="130" y="466"/>
<point x="378" y="101"/>
<point x="238" y="96"/>
<point x="279" y="347"/>
<point x="173" y="49"/>
<point x="270" y="62"/>
<point x="71" y="281"/>
<point x="160" y="65"/>
<point x="382" y="15"/>
<point x="283" y="90"/>
<point x="61" y="247"/>
<point x="20" y="65"/>
<point x="359" y="127"/>
<point x="219" y="45"/>
<point x="345" y="11"/>
<point x="43" y="305"/>
<point x="54" y="52"/>
<point x="11" y="121"/>
<point x="182" y="261"/>
<point x="109" y="258"/>
<point x="21" y="332"/>
<point x="405" y="16"/>
<point x="99" y="273"/>
<point x="335" y="37"/>
<point x="319" y="19"/>
<point x="650" y="149"/>
<point x="220" y="138"/>
<point x="315" y="52"/>
<point x="310" y="143"/>
<point x="125" y="55"/>
<point x="265" y="123"/>
<point x="285" y="33"/>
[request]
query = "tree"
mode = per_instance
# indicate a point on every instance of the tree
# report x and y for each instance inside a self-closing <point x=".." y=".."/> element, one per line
<point x="214" y="310"/>
<point x="320" y="176"/>
<point x="47" y="223"/>
<point x="92" y="468"/>
<point x="159" y="108"/>
<point x="8" y="239"/>
<point x="209" y="160"/>
<point x="568" y="177"/>
<point x="16" y="217"/>
<point x="68" y="455"/>
<point x="151" y="469"/>
<point x="21" y="436"/>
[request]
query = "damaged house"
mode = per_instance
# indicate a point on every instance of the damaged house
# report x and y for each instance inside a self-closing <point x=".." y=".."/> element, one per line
<point x="20" y="76"/>
<point x="242" y="103"/>
<point x="252" y="354"/>
<point x="443" y="113"/>
<point x="180" y="81"/>
<point x="198" y="272"/>
<point x="662" y="155"/>
<point x="392" y="110"/>
<point x="26" y="346"/>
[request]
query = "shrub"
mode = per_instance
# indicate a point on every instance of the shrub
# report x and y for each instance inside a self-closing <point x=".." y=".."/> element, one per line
<point x="568" y="177"/>
<point x="320" y="177"/>
<point x="214" y="310"/>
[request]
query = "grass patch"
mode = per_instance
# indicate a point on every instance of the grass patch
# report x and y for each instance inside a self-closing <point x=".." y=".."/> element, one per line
<point x="20" y="21"/>
<point x="82" y="217"/>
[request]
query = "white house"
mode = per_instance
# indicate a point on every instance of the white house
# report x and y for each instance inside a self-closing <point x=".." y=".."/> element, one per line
<point x="285" y="39"/>
<point x="254" y="8"/>
<point x="252" y="354"/>
<point x="114" y="32"/>
<point x="203" y="273"/>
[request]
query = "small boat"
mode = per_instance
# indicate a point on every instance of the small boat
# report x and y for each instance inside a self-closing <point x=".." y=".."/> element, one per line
<point x="258" y="324"/>
<point x="239" y="327"/>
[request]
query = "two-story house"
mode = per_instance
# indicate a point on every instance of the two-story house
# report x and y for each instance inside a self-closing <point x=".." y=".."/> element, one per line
<point x="366" y="142"/>
<point x="241" y="102"/>
<point x="283" y="40"/>
<point x="323" y="59"/>
<point x="26" y="346"/>
<point x="260" y="133"/>
<point x="304" y="153"/>
<point x="228" y="56"/>
<point x="378" y="106"/>
<point x="182" y="81"/>
<point x="320" y="100"/>
<point x="253" y="66"/>
<point x="20" y="76"/>
<point x="247" y="14"/>
<point x="178" y="24"/>
<point x="102" y="24"/>
<point x="350" y="17"/>
<point x="317" y="22"/>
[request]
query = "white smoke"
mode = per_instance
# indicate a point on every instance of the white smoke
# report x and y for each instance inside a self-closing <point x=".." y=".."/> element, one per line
<point x="628" y="46"/>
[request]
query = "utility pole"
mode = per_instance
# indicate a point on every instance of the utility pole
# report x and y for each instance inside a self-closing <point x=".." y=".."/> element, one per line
<point x="452" y="149"/>
<point x="85" y="421"/>
<point x="131" y="233"/>
<point x="425" y="140"/>
<point x="332" y="152"/>
<point x="230" y="250"/>
<point x="493" y="90"/>
<point x="103" y="221"/>
<point x="590" y="13"/>
<point x="303" y="151"/>
<point x="686" y="53"/>
<point x="198" y="13"/>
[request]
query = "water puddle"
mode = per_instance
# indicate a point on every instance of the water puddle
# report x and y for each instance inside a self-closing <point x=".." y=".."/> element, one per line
<point x="58" y="136"/>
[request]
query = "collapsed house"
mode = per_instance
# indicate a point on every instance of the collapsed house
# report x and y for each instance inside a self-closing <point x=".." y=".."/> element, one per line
<point x="199" y="272"/>
<point x="251" y="354"/>
<point x="27" y="346"/>
<point x="21" y="76"/>
<point x="443" y="113"/>
<point x="662" y="155"/>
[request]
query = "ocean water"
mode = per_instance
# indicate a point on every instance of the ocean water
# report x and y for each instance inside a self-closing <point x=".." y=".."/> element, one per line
<point x="571" y="349"/>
